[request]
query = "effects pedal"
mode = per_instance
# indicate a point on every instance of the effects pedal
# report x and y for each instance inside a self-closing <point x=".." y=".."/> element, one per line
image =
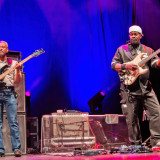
<point x="132" y="149"/>
<point x="90" y="152"/>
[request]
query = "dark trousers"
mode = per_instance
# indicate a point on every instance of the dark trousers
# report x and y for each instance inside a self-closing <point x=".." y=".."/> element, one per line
<point x="131" y="108"/>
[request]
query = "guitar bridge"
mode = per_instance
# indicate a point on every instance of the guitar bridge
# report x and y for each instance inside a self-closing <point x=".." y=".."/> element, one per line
<point x="128" y="72"/>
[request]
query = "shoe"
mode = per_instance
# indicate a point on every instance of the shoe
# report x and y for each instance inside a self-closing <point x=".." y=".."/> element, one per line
<point x="156" y="148"/>
<point x="158" y="144"/>
<point x="2" y="154"/>
<point x="17" y="153"/>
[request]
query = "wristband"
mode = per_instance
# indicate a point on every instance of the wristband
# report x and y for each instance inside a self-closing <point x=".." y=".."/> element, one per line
<point x="123" y="66"/>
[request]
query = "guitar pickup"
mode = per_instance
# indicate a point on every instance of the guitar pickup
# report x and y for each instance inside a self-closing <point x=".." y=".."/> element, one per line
<point x="128" y="72"/>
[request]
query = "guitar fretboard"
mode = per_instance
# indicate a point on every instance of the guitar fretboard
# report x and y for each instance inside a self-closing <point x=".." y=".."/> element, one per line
<point x="148" y="58"/>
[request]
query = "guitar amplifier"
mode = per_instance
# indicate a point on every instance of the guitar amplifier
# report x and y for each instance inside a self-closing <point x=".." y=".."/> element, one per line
<point x="110" y="130"/>
<point x="20" y="87"/>
<point x="67" y="130"/>
<point x="6" y="134"/>
<point x="15" y="55"/>
<point x="20" y="93"/>
<point x="32" y="134"/>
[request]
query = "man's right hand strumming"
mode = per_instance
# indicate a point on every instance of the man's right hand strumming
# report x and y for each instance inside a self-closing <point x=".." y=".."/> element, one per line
<point x="131" y="66"/>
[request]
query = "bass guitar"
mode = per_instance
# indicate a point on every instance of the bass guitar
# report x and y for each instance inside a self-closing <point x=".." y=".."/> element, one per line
<point x="10" y="70"/>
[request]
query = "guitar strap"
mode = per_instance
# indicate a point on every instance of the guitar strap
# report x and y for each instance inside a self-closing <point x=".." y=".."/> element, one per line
<point x="9" y="61"/>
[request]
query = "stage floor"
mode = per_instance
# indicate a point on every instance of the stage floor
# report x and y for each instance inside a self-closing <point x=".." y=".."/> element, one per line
<point x="142" y="156"/>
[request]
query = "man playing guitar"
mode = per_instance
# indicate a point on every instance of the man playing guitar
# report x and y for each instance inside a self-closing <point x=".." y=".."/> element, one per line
<point x="132" y="62"/>
<point x="8" y="98"/>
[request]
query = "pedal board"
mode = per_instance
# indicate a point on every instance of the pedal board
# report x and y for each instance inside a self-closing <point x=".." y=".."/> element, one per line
<point x="131" y="149"/>
<point x="90" y="152"/>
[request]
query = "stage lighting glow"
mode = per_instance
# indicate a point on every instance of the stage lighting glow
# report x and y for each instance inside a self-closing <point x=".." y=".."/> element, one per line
<point x="28" y="93"/>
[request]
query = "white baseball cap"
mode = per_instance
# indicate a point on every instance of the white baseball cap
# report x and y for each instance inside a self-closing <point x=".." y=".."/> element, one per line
<point x="135" y="28"/>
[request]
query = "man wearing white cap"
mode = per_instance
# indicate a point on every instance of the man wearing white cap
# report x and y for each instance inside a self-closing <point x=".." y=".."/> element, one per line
<point x="136" y="90"/>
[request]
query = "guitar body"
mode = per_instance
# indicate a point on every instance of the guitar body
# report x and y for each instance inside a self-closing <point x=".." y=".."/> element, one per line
<point x="129" y="76"/>
<point x="3" y="69"/>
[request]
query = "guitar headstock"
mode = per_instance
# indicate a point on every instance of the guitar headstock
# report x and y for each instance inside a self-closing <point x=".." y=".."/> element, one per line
<point x="38" y="52"/>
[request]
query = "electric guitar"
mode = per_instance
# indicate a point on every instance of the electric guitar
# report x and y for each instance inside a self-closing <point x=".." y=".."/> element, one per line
<point x="128" y="77"/>
<point x="35" y="54"/>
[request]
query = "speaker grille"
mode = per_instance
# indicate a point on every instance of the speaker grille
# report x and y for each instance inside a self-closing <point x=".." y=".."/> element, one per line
<point x="20" y="90"/>
<point x="6" y="134"/>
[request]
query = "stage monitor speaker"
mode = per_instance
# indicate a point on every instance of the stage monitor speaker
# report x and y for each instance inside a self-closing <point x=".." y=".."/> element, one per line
<point x="6" y="134"/>
<point x="20" y="93"/>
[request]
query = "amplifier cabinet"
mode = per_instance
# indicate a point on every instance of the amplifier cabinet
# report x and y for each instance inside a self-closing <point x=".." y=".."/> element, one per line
<point x="6" y="134"/>
<point x="65" y="130"/>
<point x="20" y="93"/>
<point x="32" y="134"/>
<point x="32" y="141"/>
<point x="110" y="130"/>
<point x="32" y="125"/>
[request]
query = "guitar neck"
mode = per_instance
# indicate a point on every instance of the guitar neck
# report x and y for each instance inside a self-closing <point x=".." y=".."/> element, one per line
<point x="149" y="57"/>
<point x="25" y="60"/>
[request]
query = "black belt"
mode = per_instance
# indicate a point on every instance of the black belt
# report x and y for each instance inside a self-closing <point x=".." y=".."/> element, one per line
<point x="7" y="87"/>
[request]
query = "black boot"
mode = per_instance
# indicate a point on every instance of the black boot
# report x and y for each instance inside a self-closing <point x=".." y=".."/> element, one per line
<point x="2" y="154"/>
